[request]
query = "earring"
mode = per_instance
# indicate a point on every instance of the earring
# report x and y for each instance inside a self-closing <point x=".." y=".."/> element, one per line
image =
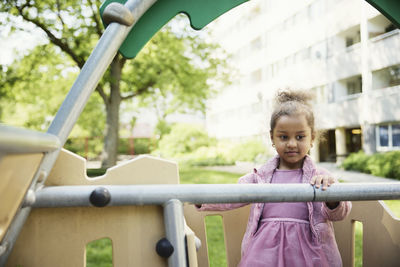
<point x="273" y="145"/>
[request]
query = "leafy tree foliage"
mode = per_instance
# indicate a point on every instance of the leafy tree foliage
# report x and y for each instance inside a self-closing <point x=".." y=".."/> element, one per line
<point x="184" y="139"/>
<point x="34" y="88"/>
<point x="175" y="67"/>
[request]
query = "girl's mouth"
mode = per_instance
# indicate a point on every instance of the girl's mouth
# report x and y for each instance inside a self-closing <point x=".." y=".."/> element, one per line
<point x="291" y="153"/>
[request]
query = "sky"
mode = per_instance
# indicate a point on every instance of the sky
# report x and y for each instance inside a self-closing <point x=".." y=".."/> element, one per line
<point x="14" y="43"/>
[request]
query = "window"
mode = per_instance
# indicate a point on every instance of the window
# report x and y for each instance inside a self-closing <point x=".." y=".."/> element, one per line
<point x="384" y="136"/>
<point x="394" y="75"/>
<point x="390" y="28"/>
<point x="396" y="135"/>
<point x="354" y="85"/>
<point x="388" y="137"/>
<point x="349" y="41"/>
<point x="387" y="77"/>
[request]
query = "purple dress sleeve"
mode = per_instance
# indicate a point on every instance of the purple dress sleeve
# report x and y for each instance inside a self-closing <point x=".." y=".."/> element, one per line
<point x="338" y="213"/>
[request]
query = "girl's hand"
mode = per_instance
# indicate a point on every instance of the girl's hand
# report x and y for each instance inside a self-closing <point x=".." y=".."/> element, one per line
<point x="324" y="180"/>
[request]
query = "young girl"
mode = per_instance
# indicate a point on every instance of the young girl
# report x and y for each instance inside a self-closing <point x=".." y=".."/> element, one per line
<point x="298" y="233"/>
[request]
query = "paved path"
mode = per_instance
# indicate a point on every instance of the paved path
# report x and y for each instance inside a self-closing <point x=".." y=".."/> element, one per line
<point x="347" y="176"/>
<point x="246" y="167"/>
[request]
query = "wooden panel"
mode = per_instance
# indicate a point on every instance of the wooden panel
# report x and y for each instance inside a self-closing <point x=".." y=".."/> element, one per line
<point x="234" y="223"/>
<point x="381" y="235"/>
<point x="17" y="172"/>
<point x="58" y="236"/>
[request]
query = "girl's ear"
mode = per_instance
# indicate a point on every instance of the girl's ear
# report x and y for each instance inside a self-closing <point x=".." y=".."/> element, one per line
<point x="271" y="136"/>
<point x="312" y="139"/>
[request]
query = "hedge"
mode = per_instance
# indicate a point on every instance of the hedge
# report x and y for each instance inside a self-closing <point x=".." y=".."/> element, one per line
<point x="380" y="164"/>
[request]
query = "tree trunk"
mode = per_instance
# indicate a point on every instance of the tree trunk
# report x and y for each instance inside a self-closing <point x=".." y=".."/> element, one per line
<point x="110" y="150"/>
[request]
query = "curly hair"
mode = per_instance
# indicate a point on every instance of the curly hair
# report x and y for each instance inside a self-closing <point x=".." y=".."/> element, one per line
<point x="290" y="102"/>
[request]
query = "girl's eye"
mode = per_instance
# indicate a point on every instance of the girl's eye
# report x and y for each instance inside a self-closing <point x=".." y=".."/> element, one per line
<point x="299" y="137"/>
<point x="283" y="137"/>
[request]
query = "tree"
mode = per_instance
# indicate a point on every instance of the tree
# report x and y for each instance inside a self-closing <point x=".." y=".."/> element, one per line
<point x="33" y="88"/>
<point x="178" y="65"/>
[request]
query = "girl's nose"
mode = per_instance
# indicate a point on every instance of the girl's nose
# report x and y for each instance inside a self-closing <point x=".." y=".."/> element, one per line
<point x="292" y="143"/>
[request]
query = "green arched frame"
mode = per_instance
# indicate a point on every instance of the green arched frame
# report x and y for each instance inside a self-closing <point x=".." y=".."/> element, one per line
<point x="202" y="12"/>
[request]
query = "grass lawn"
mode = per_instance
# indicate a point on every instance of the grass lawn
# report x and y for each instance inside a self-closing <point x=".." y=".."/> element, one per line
<point x="99" y="252"/>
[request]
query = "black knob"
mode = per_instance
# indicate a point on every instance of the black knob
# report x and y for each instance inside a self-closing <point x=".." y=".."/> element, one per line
<point x="100" y="197"/>
<point x="164" y="248"/>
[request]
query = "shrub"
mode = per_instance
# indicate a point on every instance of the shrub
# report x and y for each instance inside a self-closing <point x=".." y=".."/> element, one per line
<point x="248" y="151"/>
<point x="140" y="146"/>
<point x="356" y="161"/>
<point x="184" y="139"/>
<point x="190" y="144"/>
<point x="227" y="153"/>
<point x="379" y="164"/>
<point x="206" y="156"/>
<point x="79" y="145"/>
<point x="385" y="164"/>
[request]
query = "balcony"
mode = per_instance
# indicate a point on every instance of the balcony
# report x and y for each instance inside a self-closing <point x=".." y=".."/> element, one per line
<point x="379" y="106"/>
<point x="384" y="50"/>
<point x="345" y="63"/>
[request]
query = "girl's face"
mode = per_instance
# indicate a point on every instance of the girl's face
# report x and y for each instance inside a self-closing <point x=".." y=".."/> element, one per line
<point x="293" y="139"/>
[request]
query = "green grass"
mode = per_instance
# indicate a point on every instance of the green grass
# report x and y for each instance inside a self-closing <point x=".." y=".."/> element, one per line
<point x="99" y="252"/>
<point x="215" y="241"/>
<point x="95" y="172"/>
<point x="197" y="175"/>
<point x="358" y="246"/>
<point x="394" y="206"/>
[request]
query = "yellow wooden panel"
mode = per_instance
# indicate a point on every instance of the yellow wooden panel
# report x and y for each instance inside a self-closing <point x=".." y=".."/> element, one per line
<point x="58" y="236"/>
<point x="17" y="172"/>
<point x="381" y="234"/>
<point x="234" y="223"/>
<point x="70" y="169"/>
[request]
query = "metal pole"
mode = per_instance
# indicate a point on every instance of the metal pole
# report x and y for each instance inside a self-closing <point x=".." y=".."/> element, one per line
<point x="18" y="140"/>
<point x="174" y="229"/>
<point x="73" y="105"/>
<point x="73" y="196"/>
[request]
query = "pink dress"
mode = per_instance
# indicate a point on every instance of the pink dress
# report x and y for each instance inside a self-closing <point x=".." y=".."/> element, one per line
<point x="284" y="237"/>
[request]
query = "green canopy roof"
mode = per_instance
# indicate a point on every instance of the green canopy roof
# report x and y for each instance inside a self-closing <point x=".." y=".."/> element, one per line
<point x="389" y="8"/>
<point x="202" y="12"/>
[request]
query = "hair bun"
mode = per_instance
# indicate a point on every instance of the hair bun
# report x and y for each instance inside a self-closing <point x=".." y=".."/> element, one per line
<point x="288" y="95"/>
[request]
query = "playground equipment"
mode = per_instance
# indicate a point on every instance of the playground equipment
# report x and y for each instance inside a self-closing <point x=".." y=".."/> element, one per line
<point x="50" y="209"/>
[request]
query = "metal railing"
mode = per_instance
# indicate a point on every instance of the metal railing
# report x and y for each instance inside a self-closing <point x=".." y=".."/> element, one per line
<point x="171" y="197"/>
<point x="120" y="195"/>
<point x="15" y="140"/>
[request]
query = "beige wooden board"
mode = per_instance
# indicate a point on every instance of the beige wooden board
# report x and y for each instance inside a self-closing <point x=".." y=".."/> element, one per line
<point x="234" y="224"/>
<point x="58" y="236"/>
<point x="17" y="172"/>
<point x="70" y="169"/>
<point x="381" y="235"/>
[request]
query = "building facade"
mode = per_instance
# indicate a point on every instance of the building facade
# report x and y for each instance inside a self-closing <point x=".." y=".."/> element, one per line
<point x="343" y="50"/>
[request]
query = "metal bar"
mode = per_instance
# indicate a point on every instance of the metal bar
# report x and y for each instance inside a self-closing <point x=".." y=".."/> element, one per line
<point x="73" y="196"/>
<point x="12" y="234"/>
<point x="18" y="140"/>
<point x="174" y="229"/>
<point x="71" y="108"/>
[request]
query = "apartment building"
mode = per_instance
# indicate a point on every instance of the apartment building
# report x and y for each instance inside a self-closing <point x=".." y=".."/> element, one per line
<point x="343" y="50"/>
